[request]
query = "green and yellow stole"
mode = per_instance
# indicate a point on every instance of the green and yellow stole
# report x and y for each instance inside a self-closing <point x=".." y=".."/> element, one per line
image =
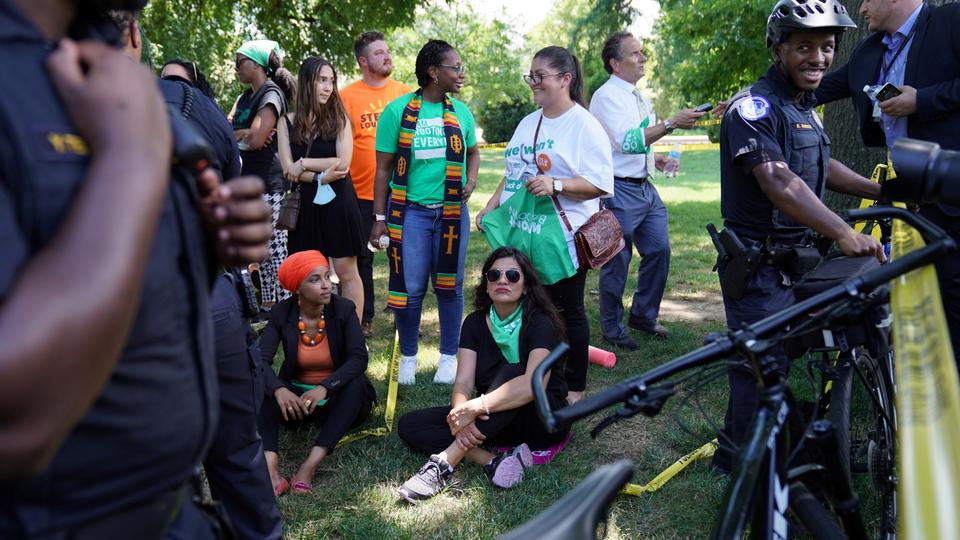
<point x="446" y="271"/>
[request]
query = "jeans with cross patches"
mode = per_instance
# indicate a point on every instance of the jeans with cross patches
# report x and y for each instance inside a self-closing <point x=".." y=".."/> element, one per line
<point x="422" y="240"/>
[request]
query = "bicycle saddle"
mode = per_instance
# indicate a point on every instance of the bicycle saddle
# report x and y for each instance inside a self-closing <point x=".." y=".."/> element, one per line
<point x="577" y="514"/>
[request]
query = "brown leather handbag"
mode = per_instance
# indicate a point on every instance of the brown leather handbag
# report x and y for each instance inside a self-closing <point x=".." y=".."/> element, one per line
<point x="600" y="238"/>
<point x="289" y="209"/>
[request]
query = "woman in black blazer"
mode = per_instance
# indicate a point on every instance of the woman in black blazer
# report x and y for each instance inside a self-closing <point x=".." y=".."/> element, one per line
<point x="322" y="377"/>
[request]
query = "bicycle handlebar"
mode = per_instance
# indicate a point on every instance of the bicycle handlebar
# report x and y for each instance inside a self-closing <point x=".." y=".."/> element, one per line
<point x="937" y="243"/>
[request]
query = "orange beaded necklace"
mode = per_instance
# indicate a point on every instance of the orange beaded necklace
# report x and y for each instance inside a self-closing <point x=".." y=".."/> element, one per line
<point x="318" y="337"/>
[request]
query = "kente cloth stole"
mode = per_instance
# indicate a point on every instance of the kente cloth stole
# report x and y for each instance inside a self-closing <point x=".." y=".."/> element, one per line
<point x="446" y="271"/>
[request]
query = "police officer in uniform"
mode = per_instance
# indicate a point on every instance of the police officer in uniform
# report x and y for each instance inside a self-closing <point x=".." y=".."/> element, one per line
<point x="107" y="383"/>
<point x="235" y="467"/>
<point x="774" y="164"/>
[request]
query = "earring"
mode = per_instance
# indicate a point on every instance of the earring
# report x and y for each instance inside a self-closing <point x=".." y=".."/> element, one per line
<point x="436" y="81"/>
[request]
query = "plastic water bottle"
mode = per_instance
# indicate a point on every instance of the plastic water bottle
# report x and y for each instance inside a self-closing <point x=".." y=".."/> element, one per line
<point x="383" y="243"/>
<point x="672" y="166"/>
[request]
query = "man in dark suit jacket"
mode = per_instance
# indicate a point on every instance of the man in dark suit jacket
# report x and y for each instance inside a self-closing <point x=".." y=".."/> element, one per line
<point x="917" y="48"/>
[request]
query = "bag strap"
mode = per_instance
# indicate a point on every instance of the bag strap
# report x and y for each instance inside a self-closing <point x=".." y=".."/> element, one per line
<point x="556" y="202"/>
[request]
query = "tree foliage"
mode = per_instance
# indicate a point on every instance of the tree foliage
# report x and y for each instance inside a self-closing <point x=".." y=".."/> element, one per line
<point x="706" y="50"/>
<point x="495" y="66"/>
<point x="210" y="31"/>
<point x="582" y="26"/>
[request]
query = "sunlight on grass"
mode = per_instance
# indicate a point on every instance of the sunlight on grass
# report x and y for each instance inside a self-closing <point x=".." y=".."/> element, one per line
<point x="355" y="490"/>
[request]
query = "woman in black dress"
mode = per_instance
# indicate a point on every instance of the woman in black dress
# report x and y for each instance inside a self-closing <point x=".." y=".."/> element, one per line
<point x="315" y="147"/>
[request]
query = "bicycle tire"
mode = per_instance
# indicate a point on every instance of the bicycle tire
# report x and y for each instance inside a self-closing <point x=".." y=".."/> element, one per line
<point x="865" y="442"/>
<point x="811" y="513"/>
<point x="841" y="393"/>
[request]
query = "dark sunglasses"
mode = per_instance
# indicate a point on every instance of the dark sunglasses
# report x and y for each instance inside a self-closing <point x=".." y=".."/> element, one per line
<point x="513" y="275"/>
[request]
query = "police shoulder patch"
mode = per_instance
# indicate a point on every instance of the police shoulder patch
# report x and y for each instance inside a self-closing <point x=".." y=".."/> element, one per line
<point x="754" y="108"/>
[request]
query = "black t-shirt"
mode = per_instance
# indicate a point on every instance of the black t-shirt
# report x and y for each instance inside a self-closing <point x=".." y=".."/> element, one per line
<point x="263" y="162"/>
<point x="535" y="333"/>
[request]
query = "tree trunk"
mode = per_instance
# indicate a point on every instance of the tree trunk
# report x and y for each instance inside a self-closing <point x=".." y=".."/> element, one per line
<point x="841" y="122"/>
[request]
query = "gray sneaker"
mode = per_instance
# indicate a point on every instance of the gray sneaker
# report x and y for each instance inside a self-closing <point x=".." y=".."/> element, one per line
<point x="506" y="470"/>
<point x="434" y="477"/>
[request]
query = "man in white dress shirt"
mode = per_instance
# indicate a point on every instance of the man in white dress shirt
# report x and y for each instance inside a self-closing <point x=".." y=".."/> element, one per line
<point x="632" y="127"/>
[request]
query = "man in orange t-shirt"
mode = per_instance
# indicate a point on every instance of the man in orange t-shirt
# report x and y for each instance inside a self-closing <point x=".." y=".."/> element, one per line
<point x="364" y="101"/>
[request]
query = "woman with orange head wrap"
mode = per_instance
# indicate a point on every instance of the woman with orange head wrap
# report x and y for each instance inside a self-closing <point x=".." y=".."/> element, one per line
<point x="322" y="378"/>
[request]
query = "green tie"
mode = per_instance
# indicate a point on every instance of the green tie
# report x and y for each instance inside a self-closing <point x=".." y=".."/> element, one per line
<point x="645" y="122"/>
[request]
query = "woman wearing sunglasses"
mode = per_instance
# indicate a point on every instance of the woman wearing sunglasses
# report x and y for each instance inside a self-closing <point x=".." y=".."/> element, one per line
<point x="513" y="328"/>
<point x="427" y="161"/>
<point x="571" y="168"/>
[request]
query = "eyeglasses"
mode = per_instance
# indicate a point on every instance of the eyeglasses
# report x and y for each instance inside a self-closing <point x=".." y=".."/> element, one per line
<point x="537" y="78"/>
<point x="513" y="275"/>
<point x="239" y="62"/>
<point x="456" y="69"/>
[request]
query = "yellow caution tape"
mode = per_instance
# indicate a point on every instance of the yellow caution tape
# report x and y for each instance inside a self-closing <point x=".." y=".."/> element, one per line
<point x="928" y="402"/>
<point x="492" y="145"/>
<point x="880" y="171"/>
<point x="708" y="122"/>
<point x="665" y="146"/>
<point x="393" y="375"/>
<point x="704" y="452"/>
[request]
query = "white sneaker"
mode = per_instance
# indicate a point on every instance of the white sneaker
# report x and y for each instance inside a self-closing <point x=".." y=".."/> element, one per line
<point x="446" y="369"/>
<point x="408" y="370"/>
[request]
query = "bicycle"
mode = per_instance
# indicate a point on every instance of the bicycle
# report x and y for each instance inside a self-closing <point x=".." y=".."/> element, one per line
<point x="773" y="474"/>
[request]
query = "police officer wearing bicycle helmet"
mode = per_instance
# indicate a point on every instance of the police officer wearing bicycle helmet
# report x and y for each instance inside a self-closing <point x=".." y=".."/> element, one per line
<point x="774" y="164"/>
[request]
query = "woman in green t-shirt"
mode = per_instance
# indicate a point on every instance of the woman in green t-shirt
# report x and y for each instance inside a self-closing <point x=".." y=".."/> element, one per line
<point x="427" y="162"/>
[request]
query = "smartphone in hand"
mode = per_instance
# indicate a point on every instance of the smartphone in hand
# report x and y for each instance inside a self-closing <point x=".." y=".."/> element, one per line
<point x="888" y="91"/>
<point x="706" y="107"/>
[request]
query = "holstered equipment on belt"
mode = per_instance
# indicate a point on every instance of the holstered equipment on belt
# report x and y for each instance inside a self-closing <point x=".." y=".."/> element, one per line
<point x="794" y="260"/>
<point x="739" y="261"/>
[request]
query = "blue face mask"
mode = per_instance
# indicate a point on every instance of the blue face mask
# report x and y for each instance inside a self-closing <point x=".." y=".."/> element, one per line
<point x="324" y="195"/>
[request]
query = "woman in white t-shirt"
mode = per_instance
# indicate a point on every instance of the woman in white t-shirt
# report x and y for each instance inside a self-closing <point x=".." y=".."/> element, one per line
<point x="573" y="162"/>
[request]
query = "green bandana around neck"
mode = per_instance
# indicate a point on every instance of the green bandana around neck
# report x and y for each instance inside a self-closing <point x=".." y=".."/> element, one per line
<point x="507" y="333"/>
<point x="259" y="51"/>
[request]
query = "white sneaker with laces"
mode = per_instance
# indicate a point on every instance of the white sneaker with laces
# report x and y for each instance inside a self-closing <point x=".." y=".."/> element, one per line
<point x="446" y="369"/>
<point x="408" y="370"/>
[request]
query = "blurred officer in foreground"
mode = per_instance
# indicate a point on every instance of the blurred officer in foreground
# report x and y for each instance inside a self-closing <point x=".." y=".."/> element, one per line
<point x="107" y="383"/>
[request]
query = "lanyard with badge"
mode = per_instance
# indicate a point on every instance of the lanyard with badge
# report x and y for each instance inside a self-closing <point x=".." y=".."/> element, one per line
<point x="876" y="92"/>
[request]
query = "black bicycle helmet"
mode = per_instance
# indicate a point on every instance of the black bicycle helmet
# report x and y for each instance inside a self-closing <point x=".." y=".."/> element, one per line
<point x="790" y="15"/>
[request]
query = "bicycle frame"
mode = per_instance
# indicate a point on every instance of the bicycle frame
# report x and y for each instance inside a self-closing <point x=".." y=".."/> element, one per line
<point x="762" y="447"/>
<point x="762" y="454"/>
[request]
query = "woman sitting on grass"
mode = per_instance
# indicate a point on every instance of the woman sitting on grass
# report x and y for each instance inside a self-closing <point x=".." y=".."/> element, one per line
<point x="323" y="377"/>
<point x="513" y="328"/>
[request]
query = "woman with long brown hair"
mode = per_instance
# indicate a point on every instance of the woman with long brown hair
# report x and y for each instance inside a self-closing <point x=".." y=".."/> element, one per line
<point x="315" y="146"/>
<point x="512" y="329"/>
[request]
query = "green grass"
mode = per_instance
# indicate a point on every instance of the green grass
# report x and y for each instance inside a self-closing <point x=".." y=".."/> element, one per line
<point x="354" y="493"/>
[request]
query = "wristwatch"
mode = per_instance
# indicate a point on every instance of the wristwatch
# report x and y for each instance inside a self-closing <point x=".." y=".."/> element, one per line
<point x="379" y="217"/>
<point x="668" y="126"/>
<point x="557" y="185"/>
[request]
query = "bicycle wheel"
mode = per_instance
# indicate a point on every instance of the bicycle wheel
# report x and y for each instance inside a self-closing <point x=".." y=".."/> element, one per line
<point x="811" y="513"/>
<point x="861" y="409"/>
